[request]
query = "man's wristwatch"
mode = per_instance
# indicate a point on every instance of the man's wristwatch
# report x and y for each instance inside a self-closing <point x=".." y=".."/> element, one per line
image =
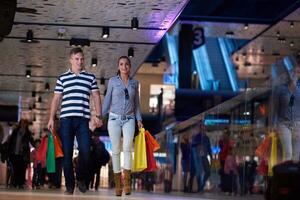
<point x="99" y="117"/>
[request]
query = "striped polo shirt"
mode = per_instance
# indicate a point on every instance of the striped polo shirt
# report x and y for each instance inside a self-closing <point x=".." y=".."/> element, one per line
<point x="75" y="90"/>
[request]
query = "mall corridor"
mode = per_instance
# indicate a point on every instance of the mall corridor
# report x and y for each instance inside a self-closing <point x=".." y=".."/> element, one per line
<point x="104" y="194"/>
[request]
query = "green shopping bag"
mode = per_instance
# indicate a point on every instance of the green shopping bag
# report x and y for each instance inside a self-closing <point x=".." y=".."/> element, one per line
<point x="50" y="159"/>
<point x="140" y="155"/>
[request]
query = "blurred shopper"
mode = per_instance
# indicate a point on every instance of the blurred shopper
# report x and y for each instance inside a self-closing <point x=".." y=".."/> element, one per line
<point x="39" y="160"/>
<point x="123" y="105"/>
<point x="231" y="170"/>
<point x="286" y="119"/>
<point x="202" y="149"/>
<point x="168" y="178"/>
<point x="225" y="146"/>
<point x="19" y="152"/>
<point x="185" y="148"/>
<point x="74" y="88"/>
<point x="250" y="168"/>
<point x="37" y="166"/>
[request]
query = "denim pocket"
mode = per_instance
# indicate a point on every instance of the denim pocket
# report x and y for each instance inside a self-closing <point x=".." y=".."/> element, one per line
<point x="112" y="118"/>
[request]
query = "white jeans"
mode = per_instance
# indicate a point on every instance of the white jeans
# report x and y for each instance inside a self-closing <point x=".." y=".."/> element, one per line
<point x="116" y="126"/>
<point x="289" y="136"/>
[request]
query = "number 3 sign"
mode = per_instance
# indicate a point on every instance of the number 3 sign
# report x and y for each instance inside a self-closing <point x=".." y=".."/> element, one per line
<point x="199" y="39"/>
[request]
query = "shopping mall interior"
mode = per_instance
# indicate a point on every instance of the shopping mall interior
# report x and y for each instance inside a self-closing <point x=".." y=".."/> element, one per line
<point x="220" y="72"/>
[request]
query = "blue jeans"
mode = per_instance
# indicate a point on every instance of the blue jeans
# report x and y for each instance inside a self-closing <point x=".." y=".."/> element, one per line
<point x="69" y="128"/>
<point x="116" y="125"/>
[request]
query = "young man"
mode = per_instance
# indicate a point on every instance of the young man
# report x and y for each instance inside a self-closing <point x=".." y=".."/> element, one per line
<point x="73" y="89"/>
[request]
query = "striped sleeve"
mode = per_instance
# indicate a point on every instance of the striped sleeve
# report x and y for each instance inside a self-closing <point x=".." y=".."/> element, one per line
<point x="59" y="86"/>
<point x="94" y="84"/>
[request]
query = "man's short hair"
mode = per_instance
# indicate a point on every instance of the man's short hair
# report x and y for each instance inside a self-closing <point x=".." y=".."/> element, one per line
<point x="75" y="51"/>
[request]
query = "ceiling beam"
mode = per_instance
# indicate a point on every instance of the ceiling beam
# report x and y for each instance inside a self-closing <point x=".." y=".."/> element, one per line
<point x="86" y="26"/>
<point x="92" y="41"/>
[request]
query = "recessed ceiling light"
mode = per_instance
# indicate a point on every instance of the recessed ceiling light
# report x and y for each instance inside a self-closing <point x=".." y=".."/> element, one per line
<point x="229" y="34"/>
<point x="79" y="42"/>
<point x="292" y="24"/>
<point x="61" y="32"/>
<point x="246" y="27"/>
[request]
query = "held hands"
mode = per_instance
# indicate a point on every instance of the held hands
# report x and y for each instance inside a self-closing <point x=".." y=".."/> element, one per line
<point x="97" y="122"/>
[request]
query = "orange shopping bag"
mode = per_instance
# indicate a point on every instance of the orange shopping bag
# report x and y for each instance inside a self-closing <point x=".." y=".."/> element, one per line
<point x="57" y="145"/>
<point x="152" y="141"/>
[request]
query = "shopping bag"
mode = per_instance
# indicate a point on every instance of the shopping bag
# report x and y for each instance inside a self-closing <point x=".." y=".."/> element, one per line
<point x="274" y="154"/>
<point x="57" y="145"/>
<point x="140" y="155"/>
<point x="151" y="162"/>
<point x="50" y="159"/>
<point x="152" y="141"/>
<point x="263" y="150"/>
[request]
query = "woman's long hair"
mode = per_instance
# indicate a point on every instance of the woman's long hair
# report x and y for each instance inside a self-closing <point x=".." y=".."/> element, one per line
<point x="123" y="57"/>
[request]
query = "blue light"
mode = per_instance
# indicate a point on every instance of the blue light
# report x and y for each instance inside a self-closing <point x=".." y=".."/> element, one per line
<point x="228" y="64"/>
<point x="172" y="78"/>
<point x="203" y="67"/>
<point x="216" y="121"/>
<point x="288" y="63"/>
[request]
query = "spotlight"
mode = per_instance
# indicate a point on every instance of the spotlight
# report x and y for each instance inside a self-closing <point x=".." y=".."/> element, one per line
<point x="47" y="86"/>
<point x="246" y="27"/>
<point x="105" y="32"/>
<point x="134" y="23"/>
<point x="40" y="99"/>
<point x="102" y="81"/>
<point x="33" y="94"/>
<point x="292" y="44"/>
<point x="130" y="52"/>
<point x="244" y="54"/>
<point x="278" y="34"/>
<point x="79" y="42"/>
<point x="28" y="73"/>
<point x="292" y="24"/>
<point x="29" y="36"/>
<point x="94" y="62"/>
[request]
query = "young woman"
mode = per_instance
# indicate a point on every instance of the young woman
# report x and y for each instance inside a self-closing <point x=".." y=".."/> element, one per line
<point x="122" y="103"/>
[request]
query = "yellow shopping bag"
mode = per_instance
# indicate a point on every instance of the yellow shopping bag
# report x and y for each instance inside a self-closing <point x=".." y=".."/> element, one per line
<point x="274" y="154"/>
<point x="140" y="155"/>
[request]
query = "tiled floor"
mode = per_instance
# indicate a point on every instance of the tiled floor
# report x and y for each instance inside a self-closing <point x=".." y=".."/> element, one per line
<point x="104" y="194"/>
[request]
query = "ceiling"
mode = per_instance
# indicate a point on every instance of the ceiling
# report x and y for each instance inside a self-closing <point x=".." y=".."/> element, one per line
<point x="47" y="56"/>
<point x="268" y="47"/>
<point x="262" y="19"/>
